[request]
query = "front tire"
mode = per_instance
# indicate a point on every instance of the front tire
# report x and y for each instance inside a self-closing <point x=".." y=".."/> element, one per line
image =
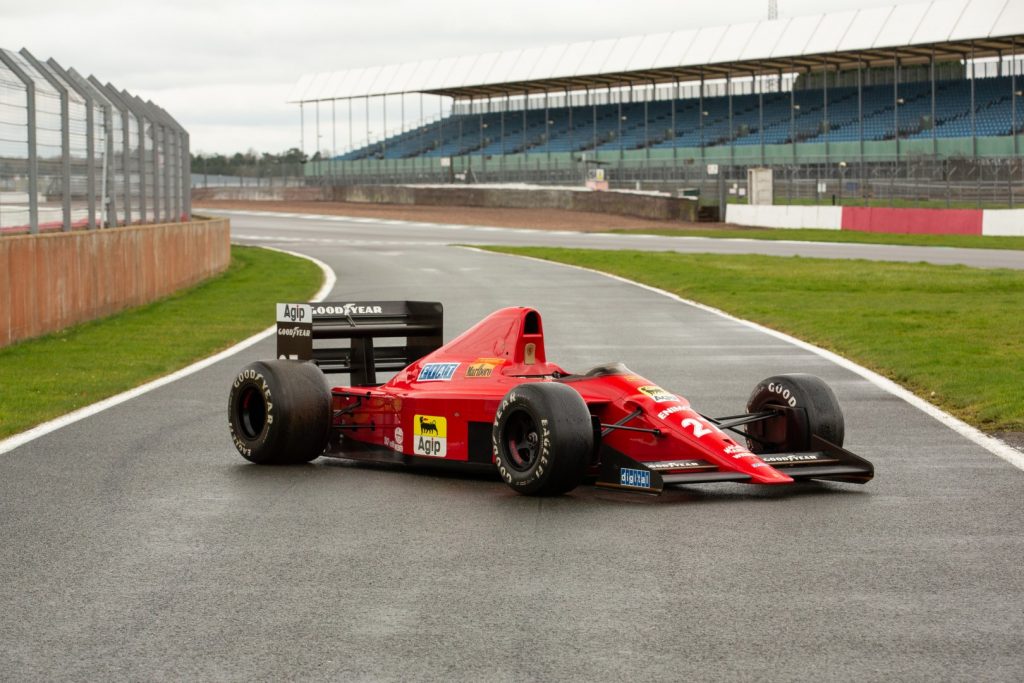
<point x="813" y="411"/>
<point x="279" y="412"/>
<point x="543" y="439"/>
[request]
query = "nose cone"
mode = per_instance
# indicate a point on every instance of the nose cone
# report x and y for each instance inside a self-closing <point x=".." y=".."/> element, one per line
<point x="717" y="447"/>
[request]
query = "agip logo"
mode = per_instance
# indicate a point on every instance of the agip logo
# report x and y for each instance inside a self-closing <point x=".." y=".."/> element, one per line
<point x="430" y="434"/>
<point x="657" y="393"/>
<point x="294" y="313"/>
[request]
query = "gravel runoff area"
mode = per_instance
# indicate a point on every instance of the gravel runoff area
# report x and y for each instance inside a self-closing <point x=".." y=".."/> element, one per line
<point x="535" y="219"/>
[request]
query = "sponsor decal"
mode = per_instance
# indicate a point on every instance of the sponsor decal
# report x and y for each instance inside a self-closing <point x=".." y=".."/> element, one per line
<point x="791" y="457"/>
<point x="482" y="367"/>
<point x="431" y="436"/>
<point x="698" y="428"/>
<point x="657" y="393"/>
<point x="395" y="443"/>
<point x="294" y="313"/>
<point x="675" y="464"/>
<point x="294" y="331"/>
<point x="735" y="448"/>
<point x="437" y="372"/>
<point x="348" y="309"/>
<point x="637" y="479"/>
<point x="669" y="411"/>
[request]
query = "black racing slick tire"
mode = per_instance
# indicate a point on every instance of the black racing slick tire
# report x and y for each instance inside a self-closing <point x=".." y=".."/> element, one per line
<point x="543" y="439"/>
<point x="810" y="409"/>
<point x="279" y="412"/>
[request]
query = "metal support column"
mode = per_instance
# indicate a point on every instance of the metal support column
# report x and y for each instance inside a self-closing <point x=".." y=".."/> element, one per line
<point x="701" y="114"/>
<point x="732" y="133"/>
<point x="974" y="126"/>
<point x="826" y="125"/>
<point x="675" y="133"/>
<point x="792" y="110"/>
<point x="931" y="78"/>
<point x="33" y="157"/>
<point x="760" y="117"/>
<point x="860" y="121"/>
<point x="114" y="101"/>
<point x="65" y="142"/>
<point x="896" y="106"/>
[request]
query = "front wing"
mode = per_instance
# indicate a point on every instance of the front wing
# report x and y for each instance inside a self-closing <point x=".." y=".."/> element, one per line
<point x="826" y="461"/>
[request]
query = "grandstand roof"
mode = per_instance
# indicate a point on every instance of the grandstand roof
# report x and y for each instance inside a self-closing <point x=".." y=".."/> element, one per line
<point x="872" y="36"/>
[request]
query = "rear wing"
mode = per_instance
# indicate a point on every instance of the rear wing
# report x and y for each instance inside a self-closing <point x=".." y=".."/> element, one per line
<point x="312" y="332"/>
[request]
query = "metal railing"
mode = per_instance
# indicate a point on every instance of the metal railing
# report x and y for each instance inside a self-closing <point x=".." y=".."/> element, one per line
<point x="78" y="153"/>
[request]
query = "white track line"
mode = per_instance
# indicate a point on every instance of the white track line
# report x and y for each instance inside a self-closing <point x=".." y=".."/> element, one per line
<point x="991" y="444"/>
<point x="13" y="442"/>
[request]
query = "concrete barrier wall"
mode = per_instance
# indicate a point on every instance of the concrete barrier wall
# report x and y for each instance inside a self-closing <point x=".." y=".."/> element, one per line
<point x="1003" y="222"/>
<point x="242" y="194"/>
<point x="51" y="281"/>
<point x="785" y="216"/>
<point x="1006" y="222"/>
<point x="912" y="221"/>
<point x="617" y="203"/>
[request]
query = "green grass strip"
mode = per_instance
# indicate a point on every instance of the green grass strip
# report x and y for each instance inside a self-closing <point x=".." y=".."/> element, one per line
<point x="847" y="236"/>
<point x="43" y="378"/>
<point x="951" y="334"/>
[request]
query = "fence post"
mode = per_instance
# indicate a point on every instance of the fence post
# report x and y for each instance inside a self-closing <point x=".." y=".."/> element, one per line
<point x="33" y="157"/>
<point x="65" y="138"/>
<point x="112" y="102"/>
<point x="90" y="93"/>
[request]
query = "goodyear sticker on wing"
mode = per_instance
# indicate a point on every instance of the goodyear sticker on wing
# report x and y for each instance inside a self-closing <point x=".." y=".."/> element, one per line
<point x="637" y="479"/>
<point x="483" y="367"/>
<point x="437" y="372"/>
<point x="430" y="434"/>
<point x="657" y="393"/>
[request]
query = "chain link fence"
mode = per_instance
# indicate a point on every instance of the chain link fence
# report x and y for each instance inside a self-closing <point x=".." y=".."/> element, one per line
<point x="78" y="153"/>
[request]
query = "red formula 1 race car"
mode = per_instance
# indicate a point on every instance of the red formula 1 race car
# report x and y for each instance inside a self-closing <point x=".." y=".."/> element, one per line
<point x="490" y="398"/>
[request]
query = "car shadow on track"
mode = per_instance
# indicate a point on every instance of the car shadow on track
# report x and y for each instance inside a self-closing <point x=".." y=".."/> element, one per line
<point x="441" y="477"/>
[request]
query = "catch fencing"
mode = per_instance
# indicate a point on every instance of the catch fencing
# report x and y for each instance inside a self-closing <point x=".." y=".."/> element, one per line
<point x="77" y="153"/>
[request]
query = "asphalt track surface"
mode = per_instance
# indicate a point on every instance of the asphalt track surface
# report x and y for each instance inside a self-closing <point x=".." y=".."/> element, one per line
<point x="139" y="545"/>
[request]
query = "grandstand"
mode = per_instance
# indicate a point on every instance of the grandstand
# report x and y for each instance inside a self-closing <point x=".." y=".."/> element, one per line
<point x="934" y="80"/>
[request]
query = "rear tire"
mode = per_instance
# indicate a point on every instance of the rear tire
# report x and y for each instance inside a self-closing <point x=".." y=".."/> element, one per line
<point x="279" y="412"/>
<point x="817" y="413"/>
<point x="543" y="439"/>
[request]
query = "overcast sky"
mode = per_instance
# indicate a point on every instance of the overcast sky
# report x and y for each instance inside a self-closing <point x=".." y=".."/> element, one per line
<point x="224" y="68"/>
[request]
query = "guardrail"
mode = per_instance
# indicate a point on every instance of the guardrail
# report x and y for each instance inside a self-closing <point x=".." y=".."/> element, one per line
<point x="79" y="153"/>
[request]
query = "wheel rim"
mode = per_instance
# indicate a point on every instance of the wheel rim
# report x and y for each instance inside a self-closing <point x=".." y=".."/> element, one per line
<point x="522" y="441"/>
<point x="252" y="412"/>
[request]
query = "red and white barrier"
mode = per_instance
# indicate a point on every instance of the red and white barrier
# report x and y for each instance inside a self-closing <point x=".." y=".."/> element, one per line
<point x="785" y="216"/>
<point x="1005" y="222"/>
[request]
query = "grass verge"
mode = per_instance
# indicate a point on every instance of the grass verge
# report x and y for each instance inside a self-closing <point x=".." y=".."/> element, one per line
<point x="951" y="334"/>
<point x="43" y="378"/>
<point x="849" y="236"/>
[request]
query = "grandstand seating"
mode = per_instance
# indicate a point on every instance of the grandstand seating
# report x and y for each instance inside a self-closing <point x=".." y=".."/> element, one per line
<point x="638" y="125"/>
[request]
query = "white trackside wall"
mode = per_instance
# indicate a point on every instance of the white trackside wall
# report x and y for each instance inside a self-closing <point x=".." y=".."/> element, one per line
<point x="1005" y="222"/>
<point x="784" y="216"/>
